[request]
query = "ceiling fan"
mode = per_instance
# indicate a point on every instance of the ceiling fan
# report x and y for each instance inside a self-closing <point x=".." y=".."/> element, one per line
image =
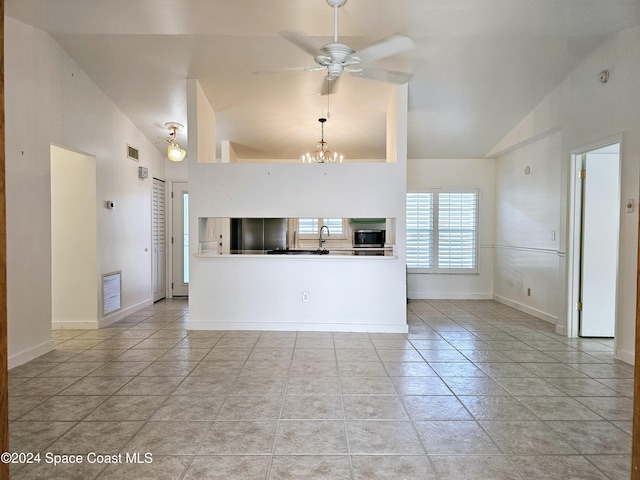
<point x="338" y="57"/>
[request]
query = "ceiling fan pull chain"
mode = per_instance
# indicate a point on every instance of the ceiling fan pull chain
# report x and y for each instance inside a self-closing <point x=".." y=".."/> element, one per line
<point x="328" y="95"/>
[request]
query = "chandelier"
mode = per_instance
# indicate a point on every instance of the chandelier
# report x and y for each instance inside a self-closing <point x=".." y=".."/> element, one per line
<point x="322" y="154"/>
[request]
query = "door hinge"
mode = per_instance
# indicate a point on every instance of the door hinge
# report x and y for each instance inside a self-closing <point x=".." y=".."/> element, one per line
<point x="171" y="240"/>
<point x="171" y="194"/>
<point x="582" y="174"/>
<point x="579" y="306"/>
<point x="171" y="285"/>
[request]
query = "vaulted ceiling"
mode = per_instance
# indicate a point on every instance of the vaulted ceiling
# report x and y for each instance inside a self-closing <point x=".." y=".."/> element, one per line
<point x="478" y="66"/>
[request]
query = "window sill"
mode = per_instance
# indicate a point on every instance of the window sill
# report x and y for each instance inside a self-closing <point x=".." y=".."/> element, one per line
<point x="425" y="271"/>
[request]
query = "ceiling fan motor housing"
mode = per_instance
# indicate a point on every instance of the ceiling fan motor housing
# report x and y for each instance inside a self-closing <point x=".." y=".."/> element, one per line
<point x="334" y="70"/>
<point x="336" y="53"/>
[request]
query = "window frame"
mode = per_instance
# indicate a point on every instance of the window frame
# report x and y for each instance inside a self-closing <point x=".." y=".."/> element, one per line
<point x="435" y="269"/>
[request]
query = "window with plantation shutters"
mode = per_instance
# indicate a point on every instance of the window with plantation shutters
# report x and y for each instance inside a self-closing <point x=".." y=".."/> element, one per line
<point x="442" y="231"/>
<point x="335" y="225"/>
<point x="309" y="228"/>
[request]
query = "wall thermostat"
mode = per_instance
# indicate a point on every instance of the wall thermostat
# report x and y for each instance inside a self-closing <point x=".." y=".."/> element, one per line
<point x="143" y="172"/>
<point x="110" y="204"/>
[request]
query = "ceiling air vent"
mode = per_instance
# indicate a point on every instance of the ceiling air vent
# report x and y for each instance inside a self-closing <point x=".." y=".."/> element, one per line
<point x="133" y="153"/>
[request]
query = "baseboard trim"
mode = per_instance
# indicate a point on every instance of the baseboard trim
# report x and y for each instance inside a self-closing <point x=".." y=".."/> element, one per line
<point x="624" y="356"/>
<point x="75" y="325"/>
<point x="299" y="327"/>
<point x="449" y="296"/>
<point x="101" y="323"/>
<point x="25" y="356"/>
<point x="526" y="309"/>
<point x="119" y="315"/>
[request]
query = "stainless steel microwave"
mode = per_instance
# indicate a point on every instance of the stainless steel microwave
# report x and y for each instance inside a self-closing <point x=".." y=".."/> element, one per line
<point x="368" y="238"/>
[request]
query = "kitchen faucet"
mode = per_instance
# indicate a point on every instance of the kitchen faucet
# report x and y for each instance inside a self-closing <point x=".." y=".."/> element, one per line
<point x="321" y="242"/>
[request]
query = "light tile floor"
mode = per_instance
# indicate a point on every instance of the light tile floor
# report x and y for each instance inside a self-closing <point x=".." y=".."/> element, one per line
<point x="476" y="390"/>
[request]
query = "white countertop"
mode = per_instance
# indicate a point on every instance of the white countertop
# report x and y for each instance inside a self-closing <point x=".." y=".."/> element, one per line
<point x="351" y="253"/>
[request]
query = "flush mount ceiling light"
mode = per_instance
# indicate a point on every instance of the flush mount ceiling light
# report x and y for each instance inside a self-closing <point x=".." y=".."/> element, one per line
<point x="322" y="154"/>
<point x="174" y="152"/>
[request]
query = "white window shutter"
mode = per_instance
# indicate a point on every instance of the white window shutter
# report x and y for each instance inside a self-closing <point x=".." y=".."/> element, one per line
<point x="420" y="230"/>
<point x="457" y="213"/>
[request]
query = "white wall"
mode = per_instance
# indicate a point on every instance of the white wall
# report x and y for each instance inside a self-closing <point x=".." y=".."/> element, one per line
<point x="585" y="111"/>
<point x="527" y="257"/>
<point x="346" y="293"/>
<point x="177" y="172"/>
<point x="49" y="100"/>
<point x="457" y="173"/>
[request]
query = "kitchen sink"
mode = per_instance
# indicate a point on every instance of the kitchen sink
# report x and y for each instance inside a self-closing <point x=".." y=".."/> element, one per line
<point x="298" y="252"/>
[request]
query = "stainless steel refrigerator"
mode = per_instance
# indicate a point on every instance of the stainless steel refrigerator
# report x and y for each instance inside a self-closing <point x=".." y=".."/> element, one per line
<point x="258" y="234"/>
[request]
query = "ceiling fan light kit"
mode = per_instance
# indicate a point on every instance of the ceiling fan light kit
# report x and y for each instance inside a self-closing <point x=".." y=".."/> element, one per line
<point x="174" y="152"/>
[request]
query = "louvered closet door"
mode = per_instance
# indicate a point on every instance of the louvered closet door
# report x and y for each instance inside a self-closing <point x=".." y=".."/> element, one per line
<point x="159" y="240"/>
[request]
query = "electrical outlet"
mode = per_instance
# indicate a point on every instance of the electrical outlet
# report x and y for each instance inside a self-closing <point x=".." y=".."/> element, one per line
<point x="553" y="235"/>
<point x="305" y="297"/>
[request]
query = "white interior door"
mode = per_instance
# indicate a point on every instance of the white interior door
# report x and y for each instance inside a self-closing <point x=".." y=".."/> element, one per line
<point x="180" y="240"/>
<point x="159" y="239"/>
<point x="600" y="225"/>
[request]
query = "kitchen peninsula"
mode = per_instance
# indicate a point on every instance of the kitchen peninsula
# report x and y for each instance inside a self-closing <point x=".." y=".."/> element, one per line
<point x="256" y="290"/>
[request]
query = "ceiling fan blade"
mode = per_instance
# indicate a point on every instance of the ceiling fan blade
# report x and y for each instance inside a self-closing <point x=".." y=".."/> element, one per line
<point x="299" y="41"/>
<point x="385" y="48"/>
<point x="387" y="76"/>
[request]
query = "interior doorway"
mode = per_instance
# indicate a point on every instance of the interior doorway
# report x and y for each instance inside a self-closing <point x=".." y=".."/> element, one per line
<point x="180" y="240"/>
<point x="596" y="206"/>
<point x="74" y="265"/>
